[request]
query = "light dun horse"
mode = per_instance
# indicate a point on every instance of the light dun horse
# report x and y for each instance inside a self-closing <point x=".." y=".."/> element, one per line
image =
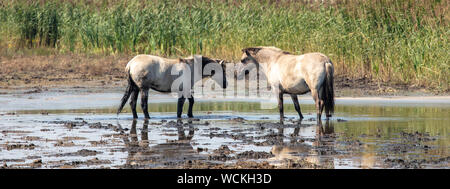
<point x="295" y="75"/>
<point x="161" y="74"/>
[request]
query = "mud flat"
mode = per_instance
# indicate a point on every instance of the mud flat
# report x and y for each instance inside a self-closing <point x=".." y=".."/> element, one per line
<point x="76" y="129"/>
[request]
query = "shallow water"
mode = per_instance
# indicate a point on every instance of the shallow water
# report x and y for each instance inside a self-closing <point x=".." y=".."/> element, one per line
<point x="82" y="131"/>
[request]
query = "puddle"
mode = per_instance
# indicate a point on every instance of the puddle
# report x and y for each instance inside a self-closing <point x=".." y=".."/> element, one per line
<point x="86" y="133"/>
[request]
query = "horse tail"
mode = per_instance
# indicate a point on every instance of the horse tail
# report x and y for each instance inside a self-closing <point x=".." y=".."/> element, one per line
<point x="328" y="92"/>
<point x="130" y="88"/>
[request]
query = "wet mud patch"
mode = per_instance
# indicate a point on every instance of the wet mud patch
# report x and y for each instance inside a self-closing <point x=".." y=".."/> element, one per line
<point x="410" y="142"/>
<point x="31" y="138"/>
<point x="253" y="155"/>
<point x="82" y="153"/>
<point x="417" y="137"/>
<point x="20" y="146"/>
<point x="99" y="143"/>
<point x="87" y="163"/>
<point x="189" y="164"/>
<point x="64" y="143"/>
<point x="415" y="163"/>
<point x="235" y="140"/>
<point x="5" y="132"/>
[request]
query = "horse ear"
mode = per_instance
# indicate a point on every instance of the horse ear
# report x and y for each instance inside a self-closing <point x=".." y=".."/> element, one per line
<point x="251" y="50"/>
<point x="255" y="49"/>
<point x="220" y="61"/>
<point x="246" y="51"/>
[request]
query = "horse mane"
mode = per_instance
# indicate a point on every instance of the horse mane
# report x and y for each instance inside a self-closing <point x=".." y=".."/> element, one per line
<point x="203" y="57"/>
<point x="274" y="48"/>
<point x="208" y="59"/>
<point x="205" y="60"/>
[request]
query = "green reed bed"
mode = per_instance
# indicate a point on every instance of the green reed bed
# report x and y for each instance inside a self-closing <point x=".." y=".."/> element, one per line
<point x="405" y="41"/>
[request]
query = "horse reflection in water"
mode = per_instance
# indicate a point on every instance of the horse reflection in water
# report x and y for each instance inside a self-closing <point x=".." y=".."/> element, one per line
<point x="166" y="155"/>
<point x="319" y="153"/>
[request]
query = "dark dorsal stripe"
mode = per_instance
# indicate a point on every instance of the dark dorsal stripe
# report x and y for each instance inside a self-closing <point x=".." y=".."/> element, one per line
<point x="205" y="61"/>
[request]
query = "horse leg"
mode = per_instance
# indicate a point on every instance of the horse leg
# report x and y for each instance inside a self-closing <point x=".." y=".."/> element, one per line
<point x="322" y="101"/>
<point x="296" y="105"/>
<point x="280" y="106"/>
<point x="322" y="105"/>
<point x="133" y="103"/>
<point x="191" y="104"/>
<point x="315" y="96"/>
<point x="181" y="101"/>
<point x="144" y="102"/>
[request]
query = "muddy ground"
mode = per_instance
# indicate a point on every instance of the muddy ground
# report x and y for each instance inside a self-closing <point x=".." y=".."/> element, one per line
<point x="287" y="150"/>
<point x="375" y="135"/>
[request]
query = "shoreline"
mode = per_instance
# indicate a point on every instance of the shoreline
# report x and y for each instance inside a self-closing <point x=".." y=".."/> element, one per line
<point x="97" y="98"/>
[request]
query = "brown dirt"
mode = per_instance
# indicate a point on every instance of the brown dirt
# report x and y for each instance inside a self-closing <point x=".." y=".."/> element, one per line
<point x="37" y="72"/>
<point x="347" y="86"/>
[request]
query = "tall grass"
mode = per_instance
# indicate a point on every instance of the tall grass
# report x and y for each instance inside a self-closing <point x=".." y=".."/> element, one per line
<point x="403" y="41"/>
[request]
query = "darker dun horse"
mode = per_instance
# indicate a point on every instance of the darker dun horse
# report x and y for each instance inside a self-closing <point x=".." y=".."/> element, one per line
<point x="161" y="74"/>
<point x="295" y="75"/>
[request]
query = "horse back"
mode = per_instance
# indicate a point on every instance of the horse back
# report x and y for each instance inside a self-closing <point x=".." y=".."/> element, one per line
<point x="149" y="71"/>
<point x="299" y="73"/>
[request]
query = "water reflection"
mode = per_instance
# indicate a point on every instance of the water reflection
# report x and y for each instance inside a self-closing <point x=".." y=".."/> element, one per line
<point x="173" y="153"/>
<point x="353" y="143"/>
<point x="319" y="153"/>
